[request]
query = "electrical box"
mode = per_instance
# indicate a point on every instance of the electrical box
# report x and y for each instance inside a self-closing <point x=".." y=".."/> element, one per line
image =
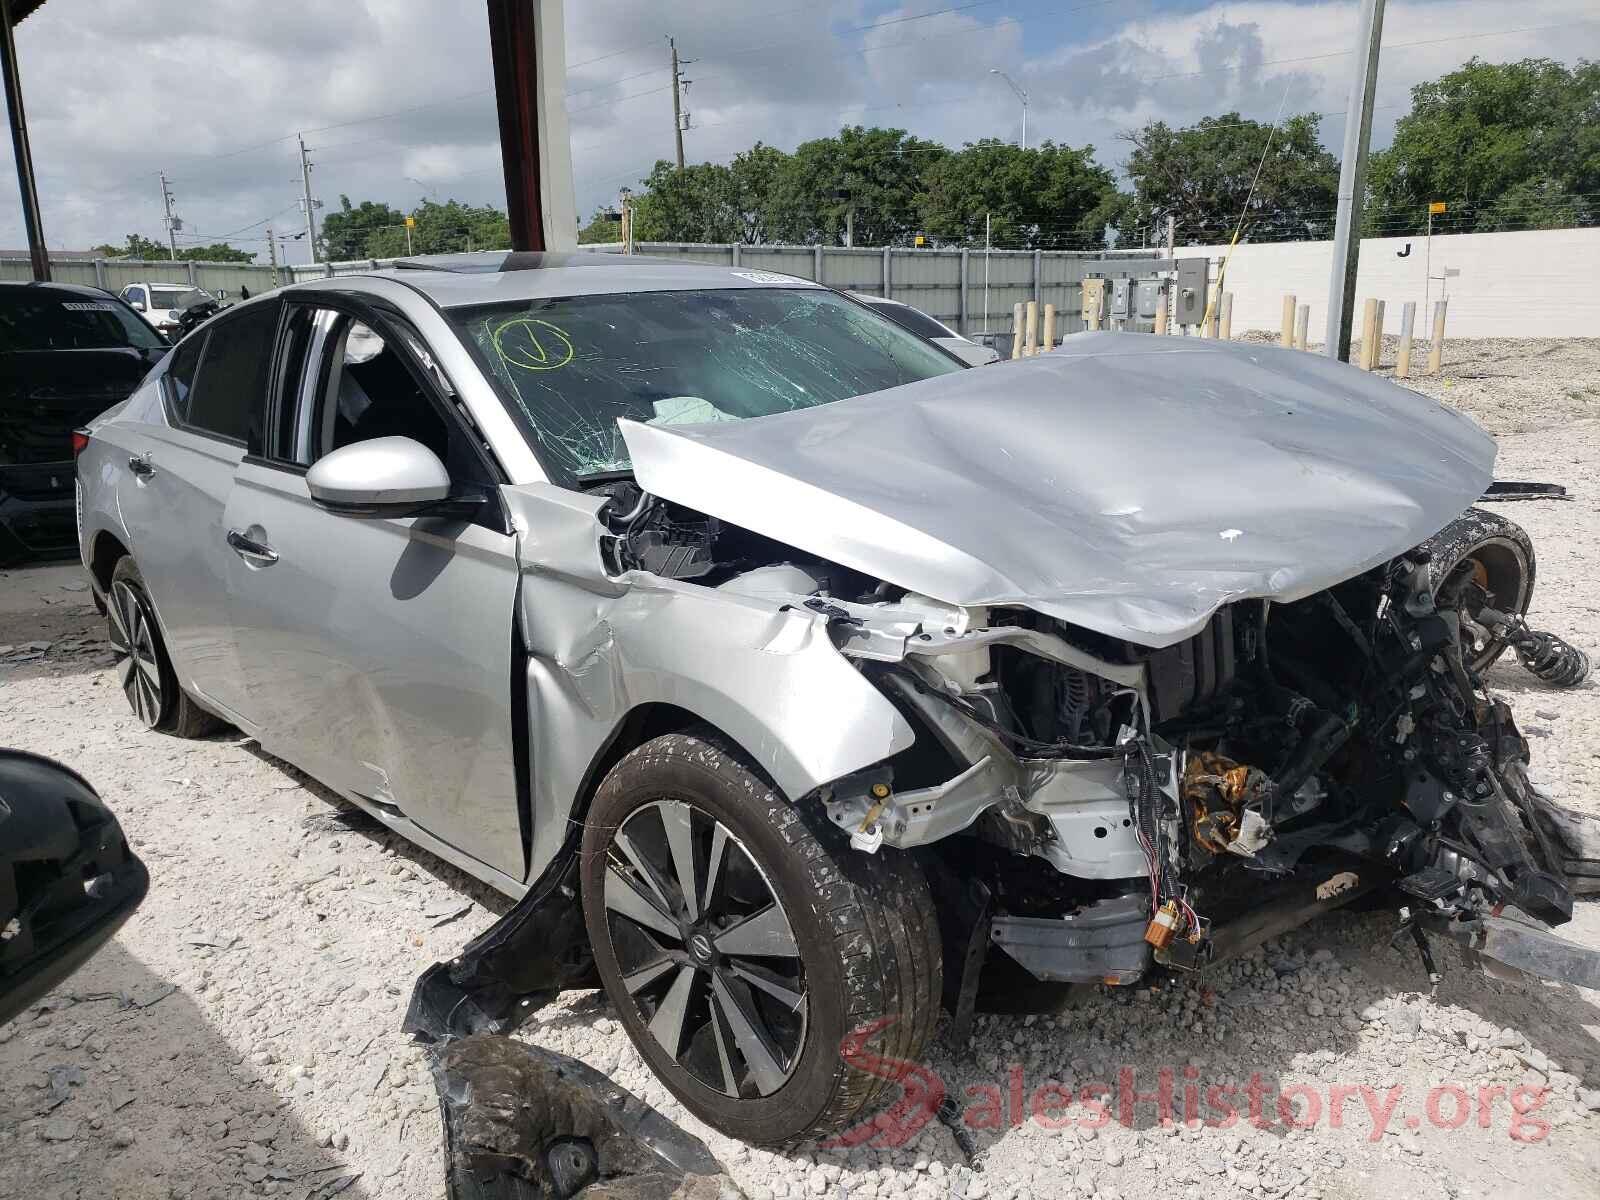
<point x="1094" y="303"/>
<point x="1189" y="301"/>
<point x="1121" y="299"/>
<point x="1149" y="295"/>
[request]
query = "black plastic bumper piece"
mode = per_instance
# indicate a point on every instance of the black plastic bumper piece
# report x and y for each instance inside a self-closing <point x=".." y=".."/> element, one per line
<point x="1102" y="942"/>
<point x="522" y="1122"/>
<point x="511" y="970"/>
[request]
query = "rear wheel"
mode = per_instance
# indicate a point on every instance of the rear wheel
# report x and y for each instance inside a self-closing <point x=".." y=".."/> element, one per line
<point x="143" y="667"/>
<point x="741" y="940"/>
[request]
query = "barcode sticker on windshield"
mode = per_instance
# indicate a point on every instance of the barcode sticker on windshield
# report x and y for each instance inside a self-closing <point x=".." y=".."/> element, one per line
<point x="89" y="305"/>
<point x="774" y="277"/>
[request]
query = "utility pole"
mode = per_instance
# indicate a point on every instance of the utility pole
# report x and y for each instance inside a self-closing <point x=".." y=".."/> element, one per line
<point x="272" y="254"/>
<point x="172" y="223"/>
<point x="679" y="117"/>
<point x="307" y="202"/>
<point x="1353" y="184"/>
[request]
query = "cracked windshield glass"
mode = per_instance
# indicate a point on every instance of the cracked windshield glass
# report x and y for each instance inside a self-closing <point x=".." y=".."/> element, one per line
<point x="570" y="368"/>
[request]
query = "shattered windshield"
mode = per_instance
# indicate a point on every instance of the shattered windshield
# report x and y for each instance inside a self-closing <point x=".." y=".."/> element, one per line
<point x="569" y="368"/>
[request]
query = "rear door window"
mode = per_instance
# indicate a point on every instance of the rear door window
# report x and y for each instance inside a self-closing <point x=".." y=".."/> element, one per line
<point x="228" y="397"/>
<point x="180" y="376"/>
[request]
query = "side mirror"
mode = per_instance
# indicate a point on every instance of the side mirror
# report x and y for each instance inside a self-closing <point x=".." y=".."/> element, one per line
<point x="383" y="477"/>
<point x="67" y="877"/>
<point x="138" y="305"/>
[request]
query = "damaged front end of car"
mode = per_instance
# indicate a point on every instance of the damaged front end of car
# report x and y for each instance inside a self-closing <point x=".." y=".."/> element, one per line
<point x="1225" y="673"/>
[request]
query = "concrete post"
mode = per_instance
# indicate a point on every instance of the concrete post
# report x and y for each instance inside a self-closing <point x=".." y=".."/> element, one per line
<point x="887" y="294"/>
<point x="1227" y="317"/>
<point x="816" y="268"/>
<point x="1016" y="330"/>
<point x="736" y="254"/>
<point x="1369" y="319"/>
<point x="1302" y="326"/>
<point x="1286" y="336"/>
<point x="1408" y="316"/>
<point x="1161" y="314"/>
<point x="192" y="281"/>
<point x="1030" y="337"/>
<point x="1049" y="327"/>
<point x="100" y="273"/>
<point x="1436" y="350"/>
<point x="1377" y="338"/>
<point x="961" y="320"/>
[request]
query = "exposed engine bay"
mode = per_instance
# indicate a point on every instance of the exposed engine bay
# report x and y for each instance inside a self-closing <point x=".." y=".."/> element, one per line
<point x="1119" y="805"/>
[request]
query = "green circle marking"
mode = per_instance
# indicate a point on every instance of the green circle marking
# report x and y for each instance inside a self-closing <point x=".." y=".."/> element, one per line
<point x="541" y="346"/>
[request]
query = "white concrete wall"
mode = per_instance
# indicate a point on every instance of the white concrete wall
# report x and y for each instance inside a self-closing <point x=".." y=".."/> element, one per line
<point x="1541" y="283"/>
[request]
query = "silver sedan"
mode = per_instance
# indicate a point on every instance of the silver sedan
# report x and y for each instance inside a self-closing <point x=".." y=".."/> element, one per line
<point x="793" y="676"/>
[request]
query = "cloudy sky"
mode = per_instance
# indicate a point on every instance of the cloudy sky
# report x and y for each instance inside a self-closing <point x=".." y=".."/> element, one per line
<point x="395" y="96"/>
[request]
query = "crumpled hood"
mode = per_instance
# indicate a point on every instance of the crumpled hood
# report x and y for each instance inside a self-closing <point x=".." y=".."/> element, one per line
<point x="1125" y="483"/>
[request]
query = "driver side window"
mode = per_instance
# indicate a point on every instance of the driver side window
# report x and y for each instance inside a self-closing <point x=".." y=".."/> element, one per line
<point x="136" y="298"/>
<point x="345" y="382"/>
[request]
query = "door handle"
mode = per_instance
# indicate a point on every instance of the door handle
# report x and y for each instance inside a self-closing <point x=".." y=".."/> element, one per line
<point x="251" y="550"/>
<point x="140" y="464"/>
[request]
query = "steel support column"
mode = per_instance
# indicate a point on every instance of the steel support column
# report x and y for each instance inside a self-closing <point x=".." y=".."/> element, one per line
<point x="516" y="85"/>
<point x="19" y="138"/>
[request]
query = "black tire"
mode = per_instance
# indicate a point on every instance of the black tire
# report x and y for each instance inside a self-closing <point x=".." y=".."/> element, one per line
<point x="863" y="930"/>
<point x="143" y="666"/>
<point x="1503" y="552"/>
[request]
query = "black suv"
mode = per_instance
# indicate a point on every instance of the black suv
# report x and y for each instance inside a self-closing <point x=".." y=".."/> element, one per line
<point x="66" y="355"/>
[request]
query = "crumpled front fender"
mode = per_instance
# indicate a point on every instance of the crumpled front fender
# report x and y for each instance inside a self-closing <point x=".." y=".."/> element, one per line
<point x="761" y="670"/>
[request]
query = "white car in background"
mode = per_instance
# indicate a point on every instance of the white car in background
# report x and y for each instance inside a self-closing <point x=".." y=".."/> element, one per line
<point x="162" y="304"/>
<point x="925" y="327"/>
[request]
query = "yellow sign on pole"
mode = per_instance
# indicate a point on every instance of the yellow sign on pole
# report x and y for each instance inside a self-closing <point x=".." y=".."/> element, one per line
<point x="411" y="222"/>
<point x="1436" y="206"/>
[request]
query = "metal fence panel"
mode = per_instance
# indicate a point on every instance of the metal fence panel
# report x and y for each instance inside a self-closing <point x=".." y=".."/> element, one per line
<point x="853" y="269"/>
<point x="789" y="260"/>
<point x="927" y="279"/>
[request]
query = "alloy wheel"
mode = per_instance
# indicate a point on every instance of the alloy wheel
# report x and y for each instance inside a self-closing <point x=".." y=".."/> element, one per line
<point x="132" y="631"/>
<point x="705" y="949"/>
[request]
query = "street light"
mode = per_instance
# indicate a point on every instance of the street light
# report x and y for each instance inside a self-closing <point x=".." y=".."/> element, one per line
<point x="1021" y="95"/>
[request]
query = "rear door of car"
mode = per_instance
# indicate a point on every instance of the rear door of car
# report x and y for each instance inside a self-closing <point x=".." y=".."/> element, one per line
<point x="175" y="491"/>
<point x="377" y="653"/>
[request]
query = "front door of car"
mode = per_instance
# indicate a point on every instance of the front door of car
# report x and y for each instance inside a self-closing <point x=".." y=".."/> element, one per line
<point x="376" y="653"/>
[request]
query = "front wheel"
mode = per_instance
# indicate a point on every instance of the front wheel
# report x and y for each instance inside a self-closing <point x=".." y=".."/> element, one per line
<point x="742" y="941"/>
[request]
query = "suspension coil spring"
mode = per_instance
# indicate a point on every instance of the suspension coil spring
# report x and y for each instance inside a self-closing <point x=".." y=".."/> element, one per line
<point x="1549" y="658"/>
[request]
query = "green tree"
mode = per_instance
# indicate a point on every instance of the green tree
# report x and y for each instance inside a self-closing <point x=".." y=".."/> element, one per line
<point x="447" y="228"/>
<point x="604" y="226"/>
<point x="696" y="204"/>
<point x="752" y="182"/>
<point x="1045" y="198"/>
<point x="877" y="172"/>
<point x="345" y="233"/>
<point x="1202" y="175"/>
<point x="1505" y="145"/>
<point x="139" y="246"/>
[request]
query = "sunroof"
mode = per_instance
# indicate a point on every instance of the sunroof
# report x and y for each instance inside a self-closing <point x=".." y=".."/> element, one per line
<point x="520" y="260"/>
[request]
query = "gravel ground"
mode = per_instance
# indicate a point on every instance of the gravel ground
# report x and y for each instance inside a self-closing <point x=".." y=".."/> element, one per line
<point x="240" y="1036"/>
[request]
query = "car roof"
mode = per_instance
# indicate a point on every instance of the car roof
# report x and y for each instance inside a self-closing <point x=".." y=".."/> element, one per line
<point x="451" y="280"/>
<point x="75" y="289"/>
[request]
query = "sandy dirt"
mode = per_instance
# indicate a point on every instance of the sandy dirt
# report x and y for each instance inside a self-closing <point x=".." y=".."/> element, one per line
<point x="240" y="1036"/>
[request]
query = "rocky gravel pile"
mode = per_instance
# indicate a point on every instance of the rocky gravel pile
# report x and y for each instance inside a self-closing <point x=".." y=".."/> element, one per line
<point x="240" y="1037"/>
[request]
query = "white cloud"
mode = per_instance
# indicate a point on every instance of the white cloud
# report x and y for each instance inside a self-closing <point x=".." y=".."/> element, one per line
<point x="120" y="89"/>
